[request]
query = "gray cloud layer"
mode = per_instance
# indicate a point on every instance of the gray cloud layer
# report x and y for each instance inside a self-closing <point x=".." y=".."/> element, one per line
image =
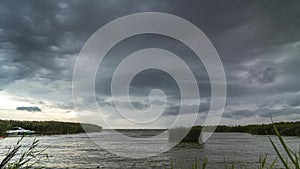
<point x="258" y="43"/>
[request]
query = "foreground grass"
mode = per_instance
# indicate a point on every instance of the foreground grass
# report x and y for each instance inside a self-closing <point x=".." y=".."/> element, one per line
<point x="289" y="159"/>
<point x="27" y="159"/>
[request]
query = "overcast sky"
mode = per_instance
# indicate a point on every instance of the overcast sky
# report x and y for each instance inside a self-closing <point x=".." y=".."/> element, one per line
<point x="258" y="43"/>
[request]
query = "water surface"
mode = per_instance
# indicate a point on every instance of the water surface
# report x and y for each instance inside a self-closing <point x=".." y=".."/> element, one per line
<point x="79" y="151"/>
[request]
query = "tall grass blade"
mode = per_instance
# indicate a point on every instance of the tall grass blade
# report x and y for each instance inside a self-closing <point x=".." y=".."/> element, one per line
<point x="287" y="150"/>
<point x="273" y="163"/>
<point x="232" y="166"/>
<point x="9" y="156"/>
<point x="204" y="164"/>
<point x="279" y="155"/>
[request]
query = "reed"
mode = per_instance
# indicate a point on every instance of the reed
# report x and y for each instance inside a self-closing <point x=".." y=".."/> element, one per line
<point x="27" y="159"/>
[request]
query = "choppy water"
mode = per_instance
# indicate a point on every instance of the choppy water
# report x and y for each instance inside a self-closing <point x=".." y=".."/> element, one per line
<point x="79" y="151"/>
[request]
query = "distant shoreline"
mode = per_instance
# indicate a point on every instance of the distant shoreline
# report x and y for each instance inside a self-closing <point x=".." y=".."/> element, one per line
<point x="57" y="127"/>
<point x="49" y="127"/>
<point x="285" y="129"/>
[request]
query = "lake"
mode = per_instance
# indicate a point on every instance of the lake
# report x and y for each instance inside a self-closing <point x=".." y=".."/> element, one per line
<point x="79" y="151"/>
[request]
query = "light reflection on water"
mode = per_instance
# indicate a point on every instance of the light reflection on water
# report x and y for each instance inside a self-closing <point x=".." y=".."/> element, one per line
<point x="79" y="151"/>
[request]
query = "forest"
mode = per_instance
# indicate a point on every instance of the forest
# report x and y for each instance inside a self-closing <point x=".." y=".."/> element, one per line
<point x="285" y="128"/>
<point x="48" y="127"/>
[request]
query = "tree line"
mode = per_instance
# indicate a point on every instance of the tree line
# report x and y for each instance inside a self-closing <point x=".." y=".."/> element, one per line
<point x="48" y="127"/>
<point x="285" y="128"/>
<point x="193" y="133"/>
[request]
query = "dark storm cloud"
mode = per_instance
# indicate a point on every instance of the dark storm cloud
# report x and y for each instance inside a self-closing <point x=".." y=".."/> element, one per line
<point x="103" y="102"/>
<point x="285" y="112"/>
<point x="262" y="76"/>
<point x="258" y="43"/>
<point x="280" y="113"/>
<point x="285" y="100"/>
<point x="150" y="79"/>
<point x="265" y="113"/>
<point x="173" y="109"/>
<point x="48" y="35"/>
<point x="140" y="105"/>
<point x="238" y="114"/>
<point x="30" y="109"/>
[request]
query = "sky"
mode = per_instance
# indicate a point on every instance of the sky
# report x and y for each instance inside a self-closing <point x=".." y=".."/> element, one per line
<point x="258" y="43"/>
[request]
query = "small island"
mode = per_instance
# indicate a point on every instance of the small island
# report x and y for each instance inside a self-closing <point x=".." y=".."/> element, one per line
<point x="49" y="127"/>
